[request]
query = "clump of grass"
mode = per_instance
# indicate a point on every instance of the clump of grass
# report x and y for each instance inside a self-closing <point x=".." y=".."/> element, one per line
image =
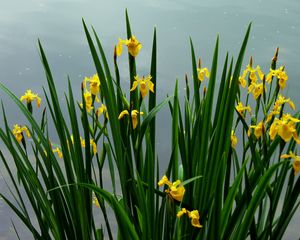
<point x="210" y="190"/>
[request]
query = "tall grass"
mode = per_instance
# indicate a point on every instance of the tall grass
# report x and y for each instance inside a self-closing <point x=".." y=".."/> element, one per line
<point x="222" y="193"/>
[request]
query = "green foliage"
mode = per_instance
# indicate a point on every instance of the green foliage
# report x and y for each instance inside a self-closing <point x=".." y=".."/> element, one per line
<point x="237" y="194"/>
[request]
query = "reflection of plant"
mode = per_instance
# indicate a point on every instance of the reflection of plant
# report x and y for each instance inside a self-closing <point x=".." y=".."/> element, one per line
<point x="236" y="193"/>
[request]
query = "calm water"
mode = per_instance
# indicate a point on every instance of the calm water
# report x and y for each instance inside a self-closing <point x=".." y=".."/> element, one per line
<point x="58" y="25"/>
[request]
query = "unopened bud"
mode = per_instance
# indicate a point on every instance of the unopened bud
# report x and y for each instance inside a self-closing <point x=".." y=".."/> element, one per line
<point x="274" y="59"/>
<point x="199" y="63"/>
<point x="251" y="61"/>
<point x="204" y="90"/>
<point x="115" y="54"/>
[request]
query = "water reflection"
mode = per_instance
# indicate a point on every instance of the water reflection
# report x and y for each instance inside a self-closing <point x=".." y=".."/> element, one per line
<point x="58" y="25"/>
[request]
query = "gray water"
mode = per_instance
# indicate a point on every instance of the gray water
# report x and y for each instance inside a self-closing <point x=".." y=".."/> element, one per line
<point x="58" y="25"/>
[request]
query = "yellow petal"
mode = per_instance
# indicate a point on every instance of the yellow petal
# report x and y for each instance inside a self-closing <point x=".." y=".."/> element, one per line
<point x="134" y="86"/>
<point x="123" y="113"/>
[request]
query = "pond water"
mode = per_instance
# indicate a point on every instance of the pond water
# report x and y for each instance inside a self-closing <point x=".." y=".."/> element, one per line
<point x="58" y="25"/>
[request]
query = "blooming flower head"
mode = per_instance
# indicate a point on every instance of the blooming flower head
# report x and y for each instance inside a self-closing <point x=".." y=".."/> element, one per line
<point x="176" y="190"/>
<point x="280" y="74"/>
<point x="88" y="101"/>
<point x="202" y="72"/>
<point x="256" y="89"/>
<point x="233" y="139"/>
<point x="92" y="143"/>
<point x="82" y="143"/>
<point x="145" y="84"/>
<point x="94" y="82"/>
<point x="242" y="81"/>
<point x="102" y="110"/>
<point x="134" y="116"/>
<point x="296" y="163"/>
<point x="258" y="129"/>
<point x="277" y="106"/>
<point x="133" y="45"/>
<point x="241" y="109"/>
<point x="18" y="132"/>
<point x="29" y="96"/>
<point x="285" y="128"/>
<point x="254" y="74"/>
<point x="58" y="151"/>
<point x="193" y="215"/>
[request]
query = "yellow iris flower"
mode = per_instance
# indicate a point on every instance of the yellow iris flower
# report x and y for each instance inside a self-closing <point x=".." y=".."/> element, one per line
<point x="176" y="190"/>
<point x="242" y="81"/>
<point x="145" y="84"/>
<point x="280" y="74"/>
<point x="94" y="82"/>
<point x="18" y="132"/>
<point x="233" y="139"/>
<point x="82" y="143"/>
<point x="102" y="110"/>
<point x="202" y="72"/>
<point x="134" y="116"/>
<point x="29" y="96"/>
<point x="258" y="129"/>
<point x="133" y="45"/>
<point x="193" y="215"/>
<point x="92" y="143"/>
<point x="88" y="101"/>
<point x="254" y="74"/>
<point x="277" y="106"/>
<point x="58" y="151"/>
<point x="296" y="163"/>
<point x="285" y="128"/>
<point x="256" y="89"/>
<point x="241" y="109"/>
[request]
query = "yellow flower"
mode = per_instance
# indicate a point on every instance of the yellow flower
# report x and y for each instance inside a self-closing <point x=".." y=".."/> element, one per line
<point x="133" y="45"/>
<point x="88" y="101"/>
<point x="253" y="73"/>
<point x="18" y="132"/>
<point x="202" y="72"/>
<point x="277" y="106"/>
<point x="193" y="215"/>
<point x="282" y="78"/>
<point x="92" y="143"/>
<point x="234" y="139"/>
<point x="102" y="110"/>
<point x="296" y="163"/>
<point x="281" y="100"/>
<point x="271" y="74"/>
<point x="258" y="129"/>
<point x="242" y="81"/>
<point x="58" y="151"/>
<point x="241" y="109"/>
<point x="256" y="89"/>
<point x="29" y="96"/>
<point x="123" y="113"/>
<point x="181" y="212"/>
<point x="134" y="116"/>
<point x="176" y="190"/>
<point x="119" y="48"/>
<point x="94" y="84"/>
<point x="285" y="128"/>
<point x="145" y="84"/>
<point x="280" y="74"/>
<point x="82" y="143"/>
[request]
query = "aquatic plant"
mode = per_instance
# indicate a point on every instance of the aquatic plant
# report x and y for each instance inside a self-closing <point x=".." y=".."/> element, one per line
<point x="214" y="191"/>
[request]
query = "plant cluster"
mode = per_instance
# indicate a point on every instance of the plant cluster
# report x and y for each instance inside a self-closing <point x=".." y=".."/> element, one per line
<point x="210" y="190"/>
